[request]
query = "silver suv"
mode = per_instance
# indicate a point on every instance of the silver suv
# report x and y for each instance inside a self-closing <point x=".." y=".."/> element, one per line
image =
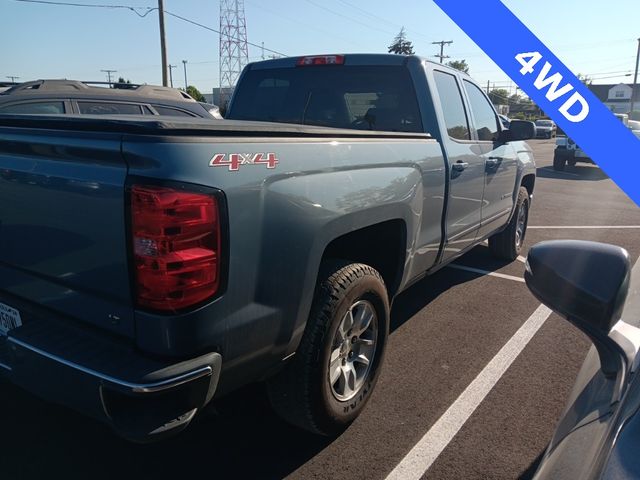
<point x="52" y="97"/>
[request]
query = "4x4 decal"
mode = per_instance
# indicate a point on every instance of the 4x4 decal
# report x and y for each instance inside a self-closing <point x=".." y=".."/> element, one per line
<point x="234" y="160"/>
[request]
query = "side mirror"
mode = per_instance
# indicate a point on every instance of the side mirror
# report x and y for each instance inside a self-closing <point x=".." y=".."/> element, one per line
<point x="521" y="130"/>
<point x="585" y="282"/>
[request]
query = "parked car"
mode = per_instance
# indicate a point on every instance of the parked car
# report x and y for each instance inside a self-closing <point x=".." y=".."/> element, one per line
<point x="593" y="286"/>
<point x="73" y="97"/>
<point x="506" y="121"/>
<point x="185" y="259"/>
<point x="213" y="110"/>
<point x="634" y="125"/>
<point x="545" y="128"/>
<point x="567" y="152"/>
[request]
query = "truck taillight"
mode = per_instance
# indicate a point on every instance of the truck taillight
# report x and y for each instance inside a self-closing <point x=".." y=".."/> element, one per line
<point x="176" y="246"/>
<point x="320" y="60"/>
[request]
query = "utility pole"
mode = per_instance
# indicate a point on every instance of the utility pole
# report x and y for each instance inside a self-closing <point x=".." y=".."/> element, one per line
<point x="163" y="43"/>
<point x="109" y="72"/>
<point x="442" y="43"/>
<point x="13" y="78"/>
<point x="635" y="79"/>
<point x="262" y="50"/>
<point x="487" y="87"/>
<point x="171" y="67"/>
<point x="184" y="63"/>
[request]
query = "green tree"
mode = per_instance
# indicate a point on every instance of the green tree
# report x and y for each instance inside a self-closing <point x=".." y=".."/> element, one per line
<point x="499" y="96"/>
<point x="515" y="99"/>
<point x="459" y="65"/>
<point x="122" y="83"/>
<point x="401" y="45"/>
<point x="195" y="93"/>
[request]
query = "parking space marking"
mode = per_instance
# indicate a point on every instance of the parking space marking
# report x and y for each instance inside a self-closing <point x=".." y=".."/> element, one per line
<point x="415" y="464"/>
<point x="521" y="259"/>
<point x="585" y="227"/>
<point x="485" y="272"/>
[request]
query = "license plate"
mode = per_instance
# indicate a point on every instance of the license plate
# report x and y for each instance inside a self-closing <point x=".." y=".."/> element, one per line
<point x="9" y="319"/>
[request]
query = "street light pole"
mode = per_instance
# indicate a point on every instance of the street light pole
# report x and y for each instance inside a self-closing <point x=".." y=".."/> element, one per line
<point x="163" y="43"/>
<point x="635" y="79"/>
<point x="184" y="62"/>
<point x="13" y="78"/>
<point x="171" y="67"/>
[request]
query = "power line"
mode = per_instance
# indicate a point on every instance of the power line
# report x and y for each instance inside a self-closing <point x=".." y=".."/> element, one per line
<point x="109" y="72"/>
<point x="218" y="32"/>
<point x="147" y="10"/>
<point x="135" y="10"/>
<point x="442" y="43"/>
<point x="348" y="18"/>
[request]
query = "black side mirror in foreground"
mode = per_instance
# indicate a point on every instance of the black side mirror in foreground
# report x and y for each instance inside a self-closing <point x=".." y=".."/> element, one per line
<point x="585" y="282"/>
<point x="521" y="130"/>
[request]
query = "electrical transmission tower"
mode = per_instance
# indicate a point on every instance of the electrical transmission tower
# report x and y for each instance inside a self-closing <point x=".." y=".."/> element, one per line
<point x="234" y="52"/>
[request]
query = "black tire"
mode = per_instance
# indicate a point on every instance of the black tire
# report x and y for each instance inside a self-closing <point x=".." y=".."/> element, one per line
<point x="559" y="162"/>
<point x="572" y="163"/>
<point x="302" y="394"/>
<point x="507" y="244"/>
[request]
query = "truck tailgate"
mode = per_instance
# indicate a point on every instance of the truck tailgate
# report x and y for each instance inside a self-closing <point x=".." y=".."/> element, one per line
<point x="62" y="226"/>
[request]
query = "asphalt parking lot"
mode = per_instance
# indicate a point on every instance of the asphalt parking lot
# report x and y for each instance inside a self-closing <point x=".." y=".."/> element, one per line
<point x="445" y="331"/>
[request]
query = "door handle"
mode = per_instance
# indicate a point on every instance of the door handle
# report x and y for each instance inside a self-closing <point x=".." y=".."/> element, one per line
<point x="492" y="161"/>
<point x="460" y="165"/>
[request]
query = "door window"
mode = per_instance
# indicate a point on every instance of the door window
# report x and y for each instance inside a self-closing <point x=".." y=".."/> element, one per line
<point x="35" y="108"/>
<point x="455" y="117"/>
<point x="486" y="121"/>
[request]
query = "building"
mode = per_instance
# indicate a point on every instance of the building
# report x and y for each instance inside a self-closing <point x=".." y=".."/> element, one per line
<point x="617" y="98"/>
<point x="213" y="97"/>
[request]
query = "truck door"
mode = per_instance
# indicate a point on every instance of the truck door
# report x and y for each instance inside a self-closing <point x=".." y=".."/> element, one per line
<point x="466" y="166"/>
<point x="499" y="160"/>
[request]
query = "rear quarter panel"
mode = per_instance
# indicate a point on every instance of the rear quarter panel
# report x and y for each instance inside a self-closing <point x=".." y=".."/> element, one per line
<point x="280" y="222"/>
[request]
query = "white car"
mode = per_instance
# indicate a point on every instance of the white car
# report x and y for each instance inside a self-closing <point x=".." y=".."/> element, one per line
<point x="634" y="125"/>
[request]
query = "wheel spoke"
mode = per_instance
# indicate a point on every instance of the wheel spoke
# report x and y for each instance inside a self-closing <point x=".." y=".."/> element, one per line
<point x="346" y="325"/>
<point x="362" y="359"/>
<point x="334" y="373"/>
<point x="362" y="319"/>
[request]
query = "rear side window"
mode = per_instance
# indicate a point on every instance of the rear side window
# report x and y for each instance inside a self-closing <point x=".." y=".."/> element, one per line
<point x="486" y="122"/>
<point x="107" y="108"/>
<point x="34" y="108"/>
<point x="360" y="97"/>
<point x="455" y="117"/>
<point x="171" y="112"/>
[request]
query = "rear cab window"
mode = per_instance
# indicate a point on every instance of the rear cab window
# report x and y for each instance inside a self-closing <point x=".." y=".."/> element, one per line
<point x="360" y="97"/>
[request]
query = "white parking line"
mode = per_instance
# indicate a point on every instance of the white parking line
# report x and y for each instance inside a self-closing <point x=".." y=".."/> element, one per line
<point x="585" y="227"/>
<point x="426" y="451"/>
<point x="522" y="259"/>
<point x="485" y="272"/>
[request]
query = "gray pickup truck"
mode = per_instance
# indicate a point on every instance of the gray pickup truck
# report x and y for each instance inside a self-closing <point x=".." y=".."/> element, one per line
<point x="148" y="265"/>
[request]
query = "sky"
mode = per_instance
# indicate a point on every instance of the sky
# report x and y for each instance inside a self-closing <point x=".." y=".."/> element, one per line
<point x="593" y="38"/>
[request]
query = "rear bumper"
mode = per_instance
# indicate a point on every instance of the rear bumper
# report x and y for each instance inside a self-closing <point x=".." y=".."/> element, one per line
<point x="142" y="398"/>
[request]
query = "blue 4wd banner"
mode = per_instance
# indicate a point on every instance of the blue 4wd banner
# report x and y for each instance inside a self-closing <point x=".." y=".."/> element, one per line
<point x="551" y="85"/>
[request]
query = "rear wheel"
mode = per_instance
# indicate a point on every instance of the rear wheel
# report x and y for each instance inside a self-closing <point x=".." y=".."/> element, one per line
<point x="507" y="244"/>
<point x="331" y="377"/>
<point x="559" y="162"/>
<point x="572" y="163"/>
